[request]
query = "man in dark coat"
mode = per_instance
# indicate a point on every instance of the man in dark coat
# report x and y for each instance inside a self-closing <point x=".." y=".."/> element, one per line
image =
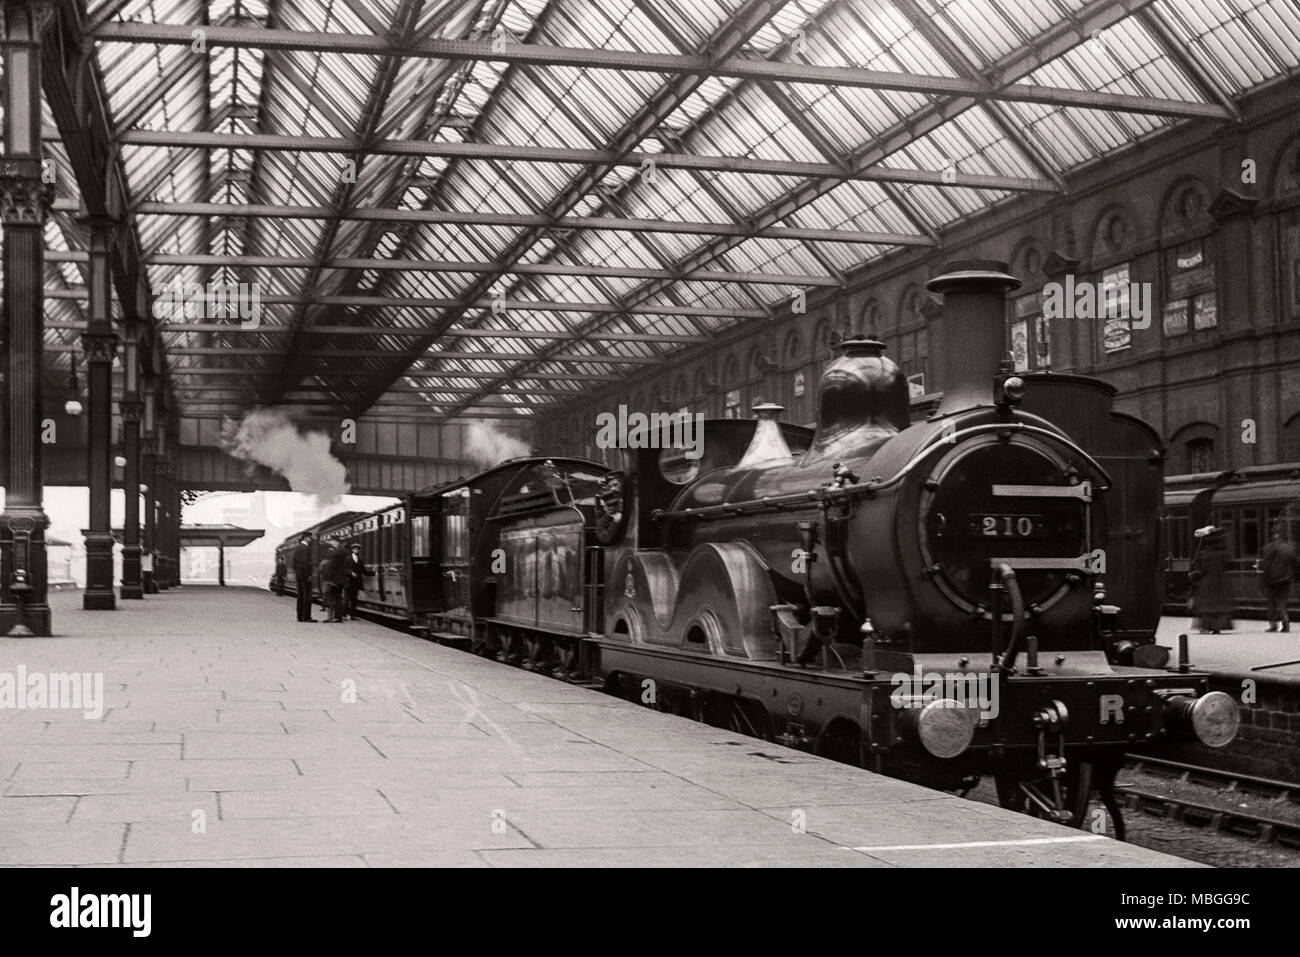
<point x="1209" y="575"/>
<point x="302" y="577"/>
<point x="330" y="572"/>
<point x="1276" y="571"/>
<point x="354" y="570"/>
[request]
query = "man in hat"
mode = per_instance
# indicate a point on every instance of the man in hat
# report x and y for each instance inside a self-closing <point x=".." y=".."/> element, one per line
<point x="1276" y="566"/>
<point x="302" y="577"/>
<point x="354" y="570"/>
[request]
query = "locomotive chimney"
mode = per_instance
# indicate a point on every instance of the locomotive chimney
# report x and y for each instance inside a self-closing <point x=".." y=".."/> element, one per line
<point x="768" y="446"/>
<point x="972" y="341"/>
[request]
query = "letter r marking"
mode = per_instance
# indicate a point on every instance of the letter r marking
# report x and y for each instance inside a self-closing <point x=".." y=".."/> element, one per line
<point x="1112" y="706"/>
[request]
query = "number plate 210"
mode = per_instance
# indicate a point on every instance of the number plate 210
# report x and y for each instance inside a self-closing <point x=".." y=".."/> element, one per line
<point x="1008" y="525"/>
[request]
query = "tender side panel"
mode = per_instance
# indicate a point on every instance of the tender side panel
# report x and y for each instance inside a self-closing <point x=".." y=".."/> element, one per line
<point x="539" y="584"/>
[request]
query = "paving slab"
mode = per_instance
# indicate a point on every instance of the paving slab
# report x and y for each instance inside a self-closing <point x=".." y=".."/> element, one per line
<point x="230" y="735"/>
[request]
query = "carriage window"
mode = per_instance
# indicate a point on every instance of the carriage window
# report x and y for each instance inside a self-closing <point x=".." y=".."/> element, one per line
<point x="419" y="536"/>
<point x="1176" y="530"/>
<point x="1249" y="524"/>
<point x="1272" y="514"/>
<point x="456" y="539"/>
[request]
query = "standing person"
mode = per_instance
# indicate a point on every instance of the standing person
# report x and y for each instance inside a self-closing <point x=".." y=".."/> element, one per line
<point x="1276" y="572"/>
<point x="1209" y="577"/>
<point x="302" y="577"/>
<point x="281" y="570"/>
<point x="354" y="570"/>
<point x="330" y="572"/>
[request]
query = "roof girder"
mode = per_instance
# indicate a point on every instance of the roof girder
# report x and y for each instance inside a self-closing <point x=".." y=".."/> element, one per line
<point x="661" y="63"/>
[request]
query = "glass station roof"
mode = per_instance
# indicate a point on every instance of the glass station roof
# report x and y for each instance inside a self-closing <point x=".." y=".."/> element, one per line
<point x="493" y="206"/>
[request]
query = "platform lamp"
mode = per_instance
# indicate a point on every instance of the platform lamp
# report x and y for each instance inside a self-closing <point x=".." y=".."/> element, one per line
<point x="73" y="405"/>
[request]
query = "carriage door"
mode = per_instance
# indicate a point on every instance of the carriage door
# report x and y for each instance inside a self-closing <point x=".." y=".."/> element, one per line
<point x="424" y="566"/>
<point x="453" y="549"/>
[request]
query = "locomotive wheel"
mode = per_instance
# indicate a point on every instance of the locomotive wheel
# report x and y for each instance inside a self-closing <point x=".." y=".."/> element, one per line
<point x="1075" y="785"/>
<point x="749" y="719"/>
<point x="841" y="741"/>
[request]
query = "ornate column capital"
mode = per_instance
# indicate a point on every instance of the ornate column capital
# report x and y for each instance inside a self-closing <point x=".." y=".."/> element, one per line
<point x="148" y="444"/>
<point x="99" y="346"/>
<point x="24" y="197"/>
<point x="132" y="409"/>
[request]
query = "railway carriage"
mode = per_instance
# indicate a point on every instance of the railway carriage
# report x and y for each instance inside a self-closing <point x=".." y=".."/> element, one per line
<point x="1246" y="502"/>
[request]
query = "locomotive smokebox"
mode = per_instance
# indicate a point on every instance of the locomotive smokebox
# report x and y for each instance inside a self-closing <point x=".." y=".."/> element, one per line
<point x="972" y="341"/>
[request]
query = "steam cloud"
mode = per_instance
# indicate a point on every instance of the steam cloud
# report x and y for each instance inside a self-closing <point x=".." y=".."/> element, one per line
<point x="488" y="446"/>
<point x="269" y="437"/>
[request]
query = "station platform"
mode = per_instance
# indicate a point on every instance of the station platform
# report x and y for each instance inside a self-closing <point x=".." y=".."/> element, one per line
<point x="1248" y="649"/>
<point x="232" y="735"/>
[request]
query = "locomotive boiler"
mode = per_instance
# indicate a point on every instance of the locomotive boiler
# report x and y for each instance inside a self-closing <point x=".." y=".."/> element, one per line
<point x="926" y="598"/>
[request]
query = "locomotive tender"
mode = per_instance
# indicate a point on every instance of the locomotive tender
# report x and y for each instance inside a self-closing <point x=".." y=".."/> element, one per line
<point x="928" y="599"/>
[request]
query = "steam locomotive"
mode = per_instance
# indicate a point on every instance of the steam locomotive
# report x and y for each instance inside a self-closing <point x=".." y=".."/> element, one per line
<point x="932" y="599"/>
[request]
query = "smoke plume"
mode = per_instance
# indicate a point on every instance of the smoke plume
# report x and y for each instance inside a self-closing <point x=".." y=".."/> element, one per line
<point x="487" y="446"/>
<point x="269" y="437"/>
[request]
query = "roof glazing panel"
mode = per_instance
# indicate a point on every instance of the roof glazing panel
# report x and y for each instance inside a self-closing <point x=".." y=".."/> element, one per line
<point x="517" y="210"/>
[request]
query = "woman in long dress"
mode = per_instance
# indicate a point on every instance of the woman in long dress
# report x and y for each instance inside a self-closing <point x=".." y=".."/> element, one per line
<point x="1209" y="574"/>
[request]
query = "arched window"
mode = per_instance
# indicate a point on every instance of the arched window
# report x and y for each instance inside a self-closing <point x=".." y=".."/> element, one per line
<point x="1195" y="448"/>
<point x="871" y="322"/>
<point x="1113" y="239"/>
<point x="1286" y="193"/>
<point x="731" y="388"/>
<point x="1029" y="335"/>
<point x="1190" y="300"/>
<point x="911" y="349"/>
<point x="682" y="394"/>
<point x="1198" y="455"/>
<point x="793" y="350"/>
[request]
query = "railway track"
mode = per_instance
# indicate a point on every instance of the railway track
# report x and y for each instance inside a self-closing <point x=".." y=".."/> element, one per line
<point x="1266" y="827"/>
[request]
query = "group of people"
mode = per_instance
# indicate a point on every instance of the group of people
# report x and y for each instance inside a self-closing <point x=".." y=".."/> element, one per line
<point x="1211" y="601"/>
<point x="339" y="575"/>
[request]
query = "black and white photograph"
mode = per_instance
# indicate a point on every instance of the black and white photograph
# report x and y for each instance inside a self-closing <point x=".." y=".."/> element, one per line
<point x="712" y="434"/>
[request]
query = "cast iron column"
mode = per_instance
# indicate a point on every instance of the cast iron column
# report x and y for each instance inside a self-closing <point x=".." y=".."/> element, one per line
<point x="175" y="530"/>
<point x="25" y="196"/>
<point x="148" y="450"/>
<point x="132" y="409"/>
<point x="166" y="516"/>
<point x="161" y="573"/>
<point x="99" y="343"/>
